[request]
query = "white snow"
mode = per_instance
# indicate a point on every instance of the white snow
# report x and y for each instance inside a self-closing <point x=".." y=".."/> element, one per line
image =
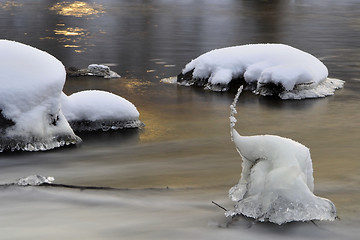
<point x="277" y="181"/>
<point x="99" y="107"/>
<point x="31" y="83"/>
<point x="261" y="64"/>
<point x="32" y="103"/>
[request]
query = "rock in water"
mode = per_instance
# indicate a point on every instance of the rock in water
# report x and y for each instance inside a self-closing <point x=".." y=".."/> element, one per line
<point x="30" y="88"/>
<point x="97" y="70"/>
<point x="266" y="69"/>
<point x="93" y="110"/>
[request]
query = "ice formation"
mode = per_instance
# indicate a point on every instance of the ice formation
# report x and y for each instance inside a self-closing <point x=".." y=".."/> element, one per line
<point x="34" y="180"/>
<point x="31" y="83"/>
<point x="99" y="110"/>
<point x="276" y="183"/>
<point x="267" y="69"/>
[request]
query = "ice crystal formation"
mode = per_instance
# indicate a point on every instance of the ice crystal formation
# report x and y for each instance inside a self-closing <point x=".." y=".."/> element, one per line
<point x="276" y="183"/>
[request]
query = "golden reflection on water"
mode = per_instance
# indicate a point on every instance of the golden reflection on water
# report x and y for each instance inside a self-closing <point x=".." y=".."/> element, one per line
<point x="71" y="37"/>
<point x="77" y="9"/>
<point x="70" y="31"/>
<point x="74" y="37"/>
<point x="135" y="84"/>
<point x="10" y="4"/>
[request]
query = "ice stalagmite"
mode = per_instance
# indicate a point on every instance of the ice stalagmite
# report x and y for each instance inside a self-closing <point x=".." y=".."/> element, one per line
<point x="276" y="183"/>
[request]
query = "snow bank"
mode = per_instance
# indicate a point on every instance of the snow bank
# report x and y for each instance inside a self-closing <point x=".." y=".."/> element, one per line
<point x="268" y="69"/>
<point x="31" y="83"/>
<point x="277" y="181"/>
<point x="93" y="110"/>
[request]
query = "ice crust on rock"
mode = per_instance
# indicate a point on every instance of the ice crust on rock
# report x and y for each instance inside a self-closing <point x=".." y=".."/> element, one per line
<point x="30" y="88"/>
<point x="99" y="110"/>
<point x="34" y="180"/>
<point x="101" y="70"/>
<point x="267" y="69"/>
<point x="97" y="70"/>
<point x="276" y="183"/>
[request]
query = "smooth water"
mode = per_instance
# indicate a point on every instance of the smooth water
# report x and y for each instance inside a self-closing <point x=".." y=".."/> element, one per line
<point x="167" y="174"/>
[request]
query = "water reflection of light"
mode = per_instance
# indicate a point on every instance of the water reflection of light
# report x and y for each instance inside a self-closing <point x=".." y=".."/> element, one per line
<point x="71" y="46"/>
<point x="71" y="37"/>
<point x="10" y="4"/>
<point x="77" y="9"/>
<point x="70" y="31"/>
<point x="134" y="84"/>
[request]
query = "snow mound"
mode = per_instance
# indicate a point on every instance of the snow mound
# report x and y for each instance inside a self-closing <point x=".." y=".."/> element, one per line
<point x="98" y="110"/>
<point x="34" y="180"/>
<point x="30" y="88"/>
<point x="267" y="69"/>
<point x="276" y="183"/>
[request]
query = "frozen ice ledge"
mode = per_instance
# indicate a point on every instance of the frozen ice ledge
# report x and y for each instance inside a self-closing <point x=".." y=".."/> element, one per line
<point x="33" y="180"/>
<point x="266" y="69"/>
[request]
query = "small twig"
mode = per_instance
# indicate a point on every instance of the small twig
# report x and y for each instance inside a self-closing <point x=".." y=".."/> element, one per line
<point x="219" y="206"/>
<point x="313" y="222"/>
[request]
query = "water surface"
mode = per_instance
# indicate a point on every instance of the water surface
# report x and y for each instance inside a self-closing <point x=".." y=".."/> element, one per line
<point x="169" y="172"/>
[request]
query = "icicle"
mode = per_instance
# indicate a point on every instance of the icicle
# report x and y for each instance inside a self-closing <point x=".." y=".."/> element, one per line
<point x="233" y="112"/>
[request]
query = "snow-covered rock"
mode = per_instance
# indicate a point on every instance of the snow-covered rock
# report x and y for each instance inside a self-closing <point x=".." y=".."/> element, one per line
<point x="97" y="70"/>
<point x="267" y="69"/>
<point x="98" y="110"/>
<point x="276" y="183"/>
<point x="34" y="112"/>
<point x="31" y="84"/>
<point x="101" y="70"/>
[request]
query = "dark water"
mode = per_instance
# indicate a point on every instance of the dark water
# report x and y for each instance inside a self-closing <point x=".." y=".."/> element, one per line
<point x="183" y="159"/>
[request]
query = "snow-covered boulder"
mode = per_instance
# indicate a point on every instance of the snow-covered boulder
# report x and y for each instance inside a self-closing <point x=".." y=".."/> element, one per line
<point x="31" y="84"/>
<point x="276" y="183"/>
<point x="98" y="110"/>
<point x="267" y="69"/>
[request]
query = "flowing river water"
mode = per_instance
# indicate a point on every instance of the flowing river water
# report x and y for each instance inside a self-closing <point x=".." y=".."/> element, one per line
<point x="159" y="182"/>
